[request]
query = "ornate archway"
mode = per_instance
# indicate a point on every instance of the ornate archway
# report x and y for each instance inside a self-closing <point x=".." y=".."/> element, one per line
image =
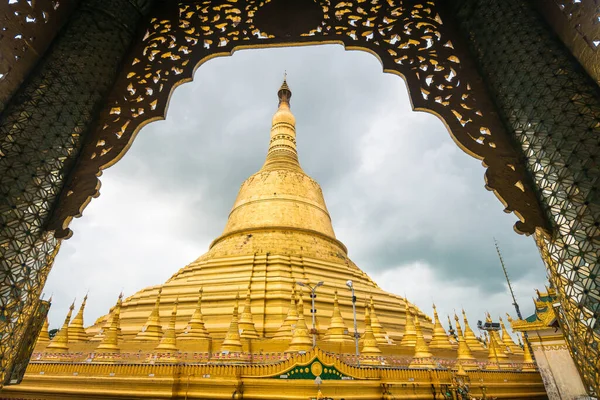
<point x="55" y="156"/>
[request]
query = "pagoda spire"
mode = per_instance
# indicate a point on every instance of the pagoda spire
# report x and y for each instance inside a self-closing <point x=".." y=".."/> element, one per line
<point x="282" y="152"/>
<point x="76" y="330"/>
<point x="422" y="358"/>
<point x="106" y="324"/>
<point x="195" y="328"/>
<point x="232" y="342"/>
<point x="469" y="335"/>
<point x="519" y="348"/>
<point x="440" y="339"/>
<point x="493" y="360"/>
<point x="370" y="348"/>
<point x="152" y="329"/>
<point x="60" y="342"/>
<point x="497" y="341"/>
<point x="286" y="330"/>
<point x="168" y="343"/>
<point x="380" y="334"/>
<point x="301" y="340"/>
<point x="410" y="334"/>
<point x="337" y="331"/>
<point x="110" y="341"/>
<point x="464" y="355"/>
<point x="44" y="337"/>
<point x="508" y="340"/>
<point x="246" y="324"/>
<point x="528" y="363"/>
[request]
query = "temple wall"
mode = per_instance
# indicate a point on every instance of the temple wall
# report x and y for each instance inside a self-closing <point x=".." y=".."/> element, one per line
<point x="560" y="376"/>
<point x="214" y="381"/>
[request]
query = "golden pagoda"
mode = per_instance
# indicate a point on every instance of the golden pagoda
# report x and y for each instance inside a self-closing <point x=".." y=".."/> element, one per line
<point x="423" y="357"/>
<point x="76" y="330"/>
<point x="440" y="339"/>
<point x="109" y="346"/>
<point x="195" y="328"/>
<point x="469" y="335"/>
<point x="337" y="331"/>
<point x="508" y="340"/>
<point x="60" y="341"/>
<point x="186" y="338"/>
<point x="44" y="336"/>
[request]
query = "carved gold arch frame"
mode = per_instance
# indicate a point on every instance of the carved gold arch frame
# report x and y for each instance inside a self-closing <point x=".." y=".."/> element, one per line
<point x="414" y="39"/>
<point x="408" y="37"/>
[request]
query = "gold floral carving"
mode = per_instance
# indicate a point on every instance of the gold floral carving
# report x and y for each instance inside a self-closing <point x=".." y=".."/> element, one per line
<point x="410" y="40"/>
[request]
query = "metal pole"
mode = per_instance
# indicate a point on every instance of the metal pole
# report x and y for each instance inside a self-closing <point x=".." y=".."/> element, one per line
<point x="355" y="326"/>
<point x="313" y="311"/>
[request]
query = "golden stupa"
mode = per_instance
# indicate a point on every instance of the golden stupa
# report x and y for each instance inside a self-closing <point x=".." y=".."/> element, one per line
<point x="235" y="323"/>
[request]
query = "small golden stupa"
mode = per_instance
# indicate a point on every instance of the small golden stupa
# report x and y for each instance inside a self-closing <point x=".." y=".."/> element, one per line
<point x="235" y="323"/>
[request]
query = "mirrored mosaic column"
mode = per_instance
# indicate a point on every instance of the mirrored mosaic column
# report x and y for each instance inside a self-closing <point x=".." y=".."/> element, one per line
<point x="41" y="130"/>
<point x="552" y="108"/>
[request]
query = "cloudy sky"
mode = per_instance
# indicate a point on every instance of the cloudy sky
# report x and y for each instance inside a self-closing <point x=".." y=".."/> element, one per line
<point x="410" y="206"/>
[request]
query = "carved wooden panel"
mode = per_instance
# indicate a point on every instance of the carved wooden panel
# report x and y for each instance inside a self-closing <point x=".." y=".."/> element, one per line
<point x="26" y="30"/>
<point x="42" y="129"/>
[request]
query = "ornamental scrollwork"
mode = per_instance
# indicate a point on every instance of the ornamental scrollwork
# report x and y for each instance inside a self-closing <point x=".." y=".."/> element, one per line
<point x="409" y="38"/>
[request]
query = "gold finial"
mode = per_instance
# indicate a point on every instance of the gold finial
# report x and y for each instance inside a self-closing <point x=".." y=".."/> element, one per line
<point x="286" y="329"/>
<point x="469" y="335"/>
<point x="410" y="334"/>
<point x="301" y="340"/>
<point x="152" y="329"/>
<point x="195" y="328"/>
<point x="422" y="357"/>
<point x="528" y="363"/>
<point x="464" y="355"/>
<point x="509" y="342"/>
<point x="380" y="334"/>
<point x="284" y="93"/>
<point x="369" y="342"/>
<point x="76" y="330"/>
<point x="110" y="342"/>
<point x="60" y="342"/>
<point x="168" y="343"/>
<point x="246" y="323"/>
<point x="232" y="342"/>
<point x="440" y="339"/>
<point x="337" y="331"/>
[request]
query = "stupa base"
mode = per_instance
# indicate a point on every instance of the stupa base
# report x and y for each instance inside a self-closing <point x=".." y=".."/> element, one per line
<point x="290" y="377"/>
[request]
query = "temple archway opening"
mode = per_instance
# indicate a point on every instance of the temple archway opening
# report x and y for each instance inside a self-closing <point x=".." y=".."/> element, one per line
<point x="408" y="37"/>
<point x="170" y="195"/>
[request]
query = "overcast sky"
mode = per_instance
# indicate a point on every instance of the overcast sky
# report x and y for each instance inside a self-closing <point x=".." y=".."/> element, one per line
<point x="410" y="206"/>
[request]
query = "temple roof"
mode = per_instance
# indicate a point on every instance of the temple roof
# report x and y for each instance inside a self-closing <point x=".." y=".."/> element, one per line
<point x="543" y="316"/>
